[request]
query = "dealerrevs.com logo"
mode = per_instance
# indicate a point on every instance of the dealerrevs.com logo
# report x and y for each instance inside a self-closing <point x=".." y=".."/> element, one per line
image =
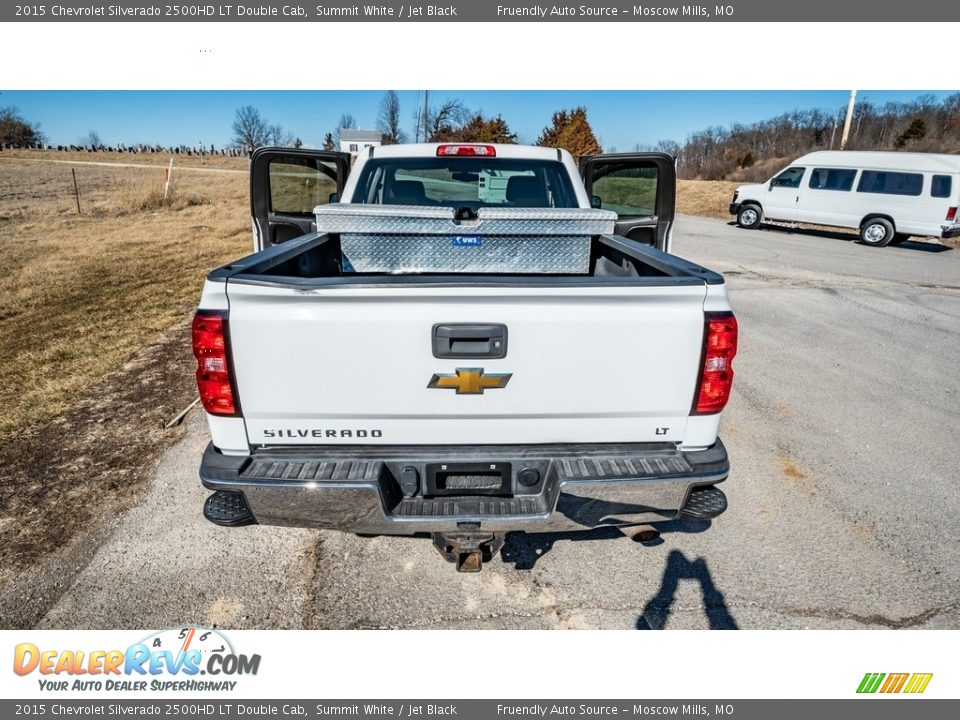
<point x="172" y="659"/>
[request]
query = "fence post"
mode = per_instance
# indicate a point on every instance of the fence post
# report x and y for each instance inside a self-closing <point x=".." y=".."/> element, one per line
<point x="76" y="189"/>
<point x="166" y="187"/>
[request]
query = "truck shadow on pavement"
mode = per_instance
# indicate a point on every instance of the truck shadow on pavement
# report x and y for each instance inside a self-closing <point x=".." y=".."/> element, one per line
<point x="656" y="613"/>
<point x="523" y="550"/>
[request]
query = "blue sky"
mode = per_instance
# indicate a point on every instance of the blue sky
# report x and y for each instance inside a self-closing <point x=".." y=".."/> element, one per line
<point x="620" y="118"/>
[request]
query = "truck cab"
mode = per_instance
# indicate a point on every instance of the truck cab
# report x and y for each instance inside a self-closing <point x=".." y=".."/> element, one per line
<point x="288" y="184"/>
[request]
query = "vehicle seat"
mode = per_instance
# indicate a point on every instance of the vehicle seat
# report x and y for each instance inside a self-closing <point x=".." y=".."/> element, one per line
<point x="408" y="192"/>
<point x="526" y="191"/>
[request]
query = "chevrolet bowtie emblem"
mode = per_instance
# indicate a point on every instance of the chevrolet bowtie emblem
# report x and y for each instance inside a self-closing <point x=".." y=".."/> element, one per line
<point x="469" y="381"/>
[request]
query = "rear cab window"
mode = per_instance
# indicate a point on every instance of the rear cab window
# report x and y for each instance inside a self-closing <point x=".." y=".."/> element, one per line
<point x="465" y="182"/>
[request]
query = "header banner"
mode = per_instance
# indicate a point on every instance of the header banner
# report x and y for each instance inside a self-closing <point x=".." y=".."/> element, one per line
<point x="486" y="11"/>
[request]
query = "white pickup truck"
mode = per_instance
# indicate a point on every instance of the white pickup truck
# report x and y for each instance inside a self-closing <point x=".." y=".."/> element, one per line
<point x="463" y="340"/>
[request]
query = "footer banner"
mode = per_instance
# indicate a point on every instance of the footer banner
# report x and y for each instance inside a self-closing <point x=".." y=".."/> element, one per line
<point x="489" y="709"/>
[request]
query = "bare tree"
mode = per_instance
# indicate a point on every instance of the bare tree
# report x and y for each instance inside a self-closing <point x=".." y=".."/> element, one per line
<point x="279" y="137"/>
<point x="670" y="147"/>
<point x="442" y="119"/>
<point x="250" y="129"/>
<point x="91" y="139"/>
<point x="388" y="119"/>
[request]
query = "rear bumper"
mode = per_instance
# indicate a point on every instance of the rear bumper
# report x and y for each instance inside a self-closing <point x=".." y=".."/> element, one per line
<point x="577" y="487"/>
<point x="950" y="231"/>
<point x="734" y="208"/>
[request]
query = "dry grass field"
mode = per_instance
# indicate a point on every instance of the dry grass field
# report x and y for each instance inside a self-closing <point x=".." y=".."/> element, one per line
<point x="96" y="349"/>
<point x="709" y="198"/>
<point x="83" y="293"/>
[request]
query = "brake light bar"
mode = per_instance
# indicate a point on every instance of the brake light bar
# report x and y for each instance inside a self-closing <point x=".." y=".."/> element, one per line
<point x="952" y="214"/>
<point x="214" y="379"/>
<point x="475" y="150"/>
<point x="716" y="374"/>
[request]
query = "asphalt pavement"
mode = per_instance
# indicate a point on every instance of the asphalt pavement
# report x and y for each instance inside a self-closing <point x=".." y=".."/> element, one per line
<point x="844" y="505"/>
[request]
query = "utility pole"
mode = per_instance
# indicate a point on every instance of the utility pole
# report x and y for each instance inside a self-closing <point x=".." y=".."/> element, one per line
<point x="426" y="111"/>
<point x="848" y="119"/>
<point x="416" y="129"/>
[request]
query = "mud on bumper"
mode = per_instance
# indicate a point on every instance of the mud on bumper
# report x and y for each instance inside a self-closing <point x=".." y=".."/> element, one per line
<point x="406" y="490"/>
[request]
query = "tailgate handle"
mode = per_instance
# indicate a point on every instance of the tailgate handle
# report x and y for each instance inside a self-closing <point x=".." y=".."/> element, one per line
<point x="468" y="340"/>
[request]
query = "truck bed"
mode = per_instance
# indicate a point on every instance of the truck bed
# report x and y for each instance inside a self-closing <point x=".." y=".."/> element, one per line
<point x="316" y="260"/>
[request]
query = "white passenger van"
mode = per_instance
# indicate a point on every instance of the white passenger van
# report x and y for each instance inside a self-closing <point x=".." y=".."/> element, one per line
<point x="887" y="196"/>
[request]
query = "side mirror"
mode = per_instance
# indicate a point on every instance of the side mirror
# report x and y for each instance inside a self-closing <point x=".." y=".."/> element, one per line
<point x="595" y="202"/>
<point x="334" y="198"/>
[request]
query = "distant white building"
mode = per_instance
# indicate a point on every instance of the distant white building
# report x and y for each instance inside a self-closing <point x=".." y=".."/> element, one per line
<point x="355" y="141"/>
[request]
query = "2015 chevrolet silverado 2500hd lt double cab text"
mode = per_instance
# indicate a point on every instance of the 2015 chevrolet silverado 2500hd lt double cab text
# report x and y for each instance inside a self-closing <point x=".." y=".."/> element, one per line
<point x="463" y="340"/>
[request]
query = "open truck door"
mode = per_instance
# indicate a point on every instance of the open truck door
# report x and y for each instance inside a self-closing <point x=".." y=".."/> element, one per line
<point x="640" y="187"/>
<point x="286" y="184"/>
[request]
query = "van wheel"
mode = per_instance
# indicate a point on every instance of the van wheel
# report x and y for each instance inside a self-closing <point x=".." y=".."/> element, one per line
<point x="876" y="232"/>
<point x="749" y="217"/>
<point x="899" y="238"/>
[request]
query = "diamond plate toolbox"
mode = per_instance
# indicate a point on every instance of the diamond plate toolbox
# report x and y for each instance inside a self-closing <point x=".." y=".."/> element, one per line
<point x="400" y="239"/>
<point x="533" y="254"/>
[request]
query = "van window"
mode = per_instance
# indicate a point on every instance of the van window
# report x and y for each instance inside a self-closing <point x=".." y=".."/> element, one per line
<point x="832" y="179"/>
<point x="890" y="183"/>
<point x="941" y="186"/>
<point x="789" y="178"/>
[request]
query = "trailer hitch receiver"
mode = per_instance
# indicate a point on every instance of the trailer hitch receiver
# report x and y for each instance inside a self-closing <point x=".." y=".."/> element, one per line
<point x="469" y="550"/>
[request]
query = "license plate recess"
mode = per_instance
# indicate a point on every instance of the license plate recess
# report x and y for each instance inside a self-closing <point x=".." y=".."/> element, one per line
<point x="469" y="479"/>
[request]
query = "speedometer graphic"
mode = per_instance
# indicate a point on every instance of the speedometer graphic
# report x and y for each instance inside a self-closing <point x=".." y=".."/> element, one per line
<point x="184" y="639"/>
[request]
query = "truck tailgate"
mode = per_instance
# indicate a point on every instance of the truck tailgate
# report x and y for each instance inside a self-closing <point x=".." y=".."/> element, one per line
<point x="353" y="365"/>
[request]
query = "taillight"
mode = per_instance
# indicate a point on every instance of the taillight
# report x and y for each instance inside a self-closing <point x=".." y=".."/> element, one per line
<point x="479" y="150"/>
<point x="716" y="375"/>
<point x="736" y="194"/>
<point x="213" y="366"/>
<point x="952" y="214"/>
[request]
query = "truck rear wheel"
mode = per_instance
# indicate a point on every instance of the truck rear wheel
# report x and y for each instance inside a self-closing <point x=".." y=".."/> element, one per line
<point x="876" y="232"/>
<point x="749" y="217"/>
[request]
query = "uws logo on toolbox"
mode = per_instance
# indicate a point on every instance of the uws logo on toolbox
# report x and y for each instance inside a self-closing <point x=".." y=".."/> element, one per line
<point x="179" y="659"/>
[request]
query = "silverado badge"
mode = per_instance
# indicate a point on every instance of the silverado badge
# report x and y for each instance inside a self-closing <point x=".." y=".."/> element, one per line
<point x="469" y="381"/>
